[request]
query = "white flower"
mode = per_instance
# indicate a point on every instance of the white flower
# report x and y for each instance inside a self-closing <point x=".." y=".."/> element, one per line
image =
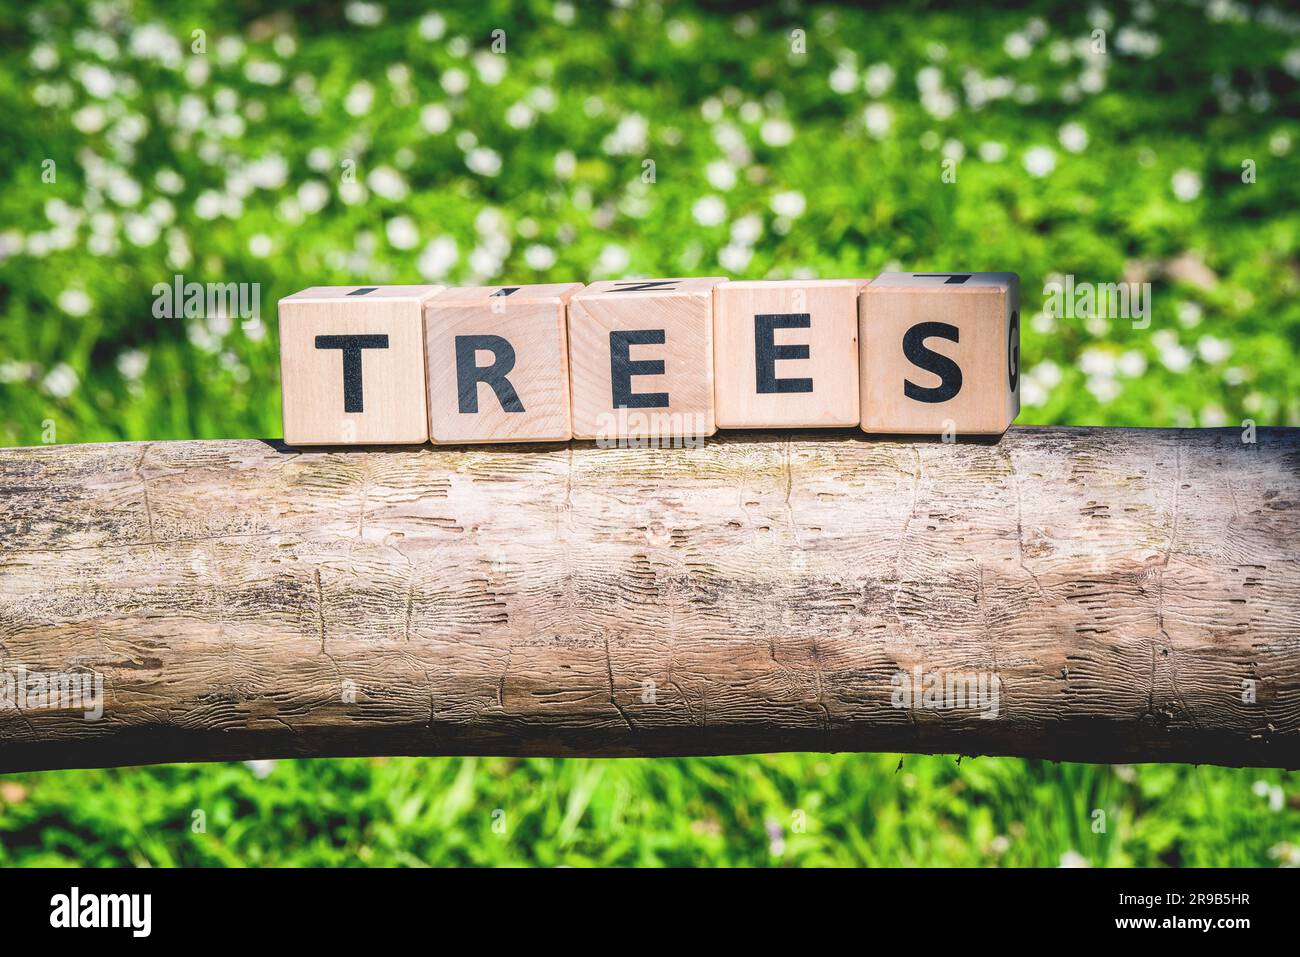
<point x="746" y="230"/>
<point x="402" y="233"/>
<point x="388" y="183"/>
<point x="438" y="258"/>
<point x="1175" y="358"/>
<point x="720" y="174"/>
<point x="879" y="119"/>
<point x="844" y="78"/>
<point x="734" y="258"/>
<point x="313" y="195"/>
<point x="11" y="371"/>
<point x="269" y="172"/>
<point x="352" y="193"/>
<point x="776" y="132"/>
<point x="75" y="302"/>
<point x="141" y="230"/>
<point x="539" y="257"/>
<point x="789" y="203"/>
<point x="1291" y="61"/>
<point x="491" y="67"/>
<point x="939" y="103"/>
<point x="455" y="82"/>
<point x="435" y="118"/>
<point x="1139" y="42"/>
<point x="169" y="181"/>
<point x="1033" y="393"/>
<point x="44" y="57"/>
<point x="263" y="72"/>
<point x="520" y="116"/>
<point x="1047" y="373"/>
<point x="1073" y="137"/>
<point x="929" y="79"/>
<point x="1040" y="161"/>
<point x="364" y="14"/>
<point x="1017" y="46"/>
<point x="993" y="152"/>
<point x="359" y="99"/>
<point x="1097" y="362"/>
<point x="260" y="768"/>
<point x="97" y="80"/>
<point x="1132" y="364"/>
<point x="878" y="78"/>
<point x="1189" y="314"/>
<point x="61" y="381"/>
<point x="432" y="26"/>
<point x="709" y="210"/>
<point x="260" y="245"/>
<point x="132" y="364"/>
<point x="1074" y="859"/>
<point x="613" y="259"/>
<point x="90" y="118"/>
<point x="1213" y="416"/>
<point x="124" y="191"/>
<point x="1187" y="185"/>
<point x="1212" y="349"/>
<point x="484" y="161"/>
<point x="629" y="137"/>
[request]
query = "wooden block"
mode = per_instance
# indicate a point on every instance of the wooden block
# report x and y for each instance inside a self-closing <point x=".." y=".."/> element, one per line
<point x="352" y="365"/>
<point x="641" y="359"/>
<point x="785" y="353"/>
<point x="499" y="364"/>
<point x="940" y="353"/>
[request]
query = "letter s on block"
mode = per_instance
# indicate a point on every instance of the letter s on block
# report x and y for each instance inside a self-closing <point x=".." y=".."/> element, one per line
<point x="915" y="351"/>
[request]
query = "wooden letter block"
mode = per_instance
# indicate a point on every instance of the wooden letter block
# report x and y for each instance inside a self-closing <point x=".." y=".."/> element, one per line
<point x="940" y="353"/>
<point x="499" y="364"/>
<point x="785" y="353"/>
<point x="641" y="359"/>
<point x="352" y="365"/>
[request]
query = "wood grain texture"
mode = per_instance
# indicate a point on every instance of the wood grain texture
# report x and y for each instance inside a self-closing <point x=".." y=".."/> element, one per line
<point x="516" y="600"/>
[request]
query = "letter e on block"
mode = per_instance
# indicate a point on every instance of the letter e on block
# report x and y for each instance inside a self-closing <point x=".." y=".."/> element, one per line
<point x="641" y="359"/>
<point x="352" y="365"/>
<point x="940" y="352"/>
<point x="498" y="364"/>
<point x="785" y="353"/>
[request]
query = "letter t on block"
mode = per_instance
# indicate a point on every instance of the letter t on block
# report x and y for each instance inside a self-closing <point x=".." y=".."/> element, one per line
<point x="352" y="365"/>
<point x="641" y="359"/>
<point x="940" y="353"/>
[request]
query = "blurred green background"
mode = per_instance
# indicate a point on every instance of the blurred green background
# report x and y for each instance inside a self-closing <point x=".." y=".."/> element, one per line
<point x="342" y="143"/>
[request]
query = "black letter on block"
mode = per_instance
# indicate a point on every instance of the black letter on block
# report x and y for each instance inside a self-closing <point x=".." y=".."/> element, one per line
<point x="766" y="352"/>
<point x="916" y="353"/>
<point x="353" y="394"/>
<point x="622" y="367"/>
<point x="469" y="375"/>
<point x="1013" y="351"/>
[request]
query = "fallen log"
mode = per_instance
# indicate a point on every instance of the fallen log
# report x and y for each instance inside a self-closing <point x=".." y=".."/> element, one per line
<point x="1123" y="595"/>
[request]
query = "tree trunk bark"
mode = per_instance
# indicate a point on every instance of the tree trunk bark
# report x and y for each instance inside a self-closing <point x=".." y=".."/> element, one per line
<point x="1100" y="594"/>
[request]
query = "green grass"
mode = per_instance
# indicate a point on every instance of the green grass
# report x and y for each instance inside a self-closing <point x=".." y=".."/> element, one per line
<point x="836" y="156"/>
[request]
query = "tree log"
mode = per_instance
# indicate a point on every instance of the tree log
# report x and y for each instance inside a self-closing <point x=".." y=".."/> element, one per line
<point x="1131" y="595"/>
